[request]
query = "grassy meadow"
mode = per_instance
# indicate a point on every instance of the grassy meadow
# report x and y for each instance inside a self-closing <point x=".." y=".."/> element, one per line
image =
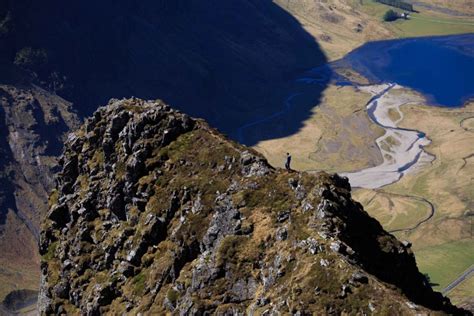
<point x="444" y="245"/>
<point x="455" y="257"/>
<point x="424" y="23"/>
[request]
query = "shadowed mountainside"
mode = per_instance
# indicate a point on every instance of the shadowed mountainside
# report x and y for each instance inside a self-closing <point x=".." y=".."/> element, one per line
<point x="226" y="61"/>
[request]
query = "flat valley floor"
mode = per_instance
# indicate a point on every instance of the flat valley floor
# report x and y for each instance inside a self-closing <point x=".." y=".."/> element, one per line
<point x="432" y="206"/>
<point x="429" y="205"/>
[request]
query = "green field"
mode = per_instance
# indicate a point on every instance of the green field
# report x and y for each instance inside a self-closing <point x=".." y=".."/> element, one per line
<point x="421" y="24"/>
<point x="393" y="211"/>
<point x="443" y="246"/>
<point x="465" y="289"/>
<point x="414" y="212"/>
<point x="444" y="263"/>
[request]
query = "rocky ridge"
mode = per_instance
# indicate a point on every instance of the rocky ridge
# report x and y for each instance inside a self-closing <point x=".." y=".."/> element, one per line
<point x="156" y="212"/>
<point x="182" y="51"/>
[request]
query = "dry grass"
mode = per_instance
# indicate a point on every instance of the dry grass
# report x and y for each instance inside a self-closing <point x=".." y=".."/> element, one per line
<point x="19" y="261"/>
<point x="394" y="115"/>
<point x="463" y="292"/>
<point x="395" y="212"/>
<point x="425" y="23"/>
<point x="337" y="137"/>
<point x="444" y="263"/>
<point x="468" y="124"/>
<point x="447" y="183"/>
<point x="339" y="26"/>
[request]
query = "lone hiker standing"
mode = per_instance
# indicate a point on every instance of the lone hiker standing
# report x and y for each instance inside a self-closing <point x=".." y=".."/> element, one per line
<point x="288" y="161"/>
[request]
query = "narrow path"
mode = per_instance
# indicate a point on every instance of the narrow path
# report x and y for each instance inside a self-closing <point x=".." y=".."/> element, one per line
<point x="412" y="197"/>
<point x="459" y="279"/>
<point x="467" y="129"/>
<point x="464" y="159"/>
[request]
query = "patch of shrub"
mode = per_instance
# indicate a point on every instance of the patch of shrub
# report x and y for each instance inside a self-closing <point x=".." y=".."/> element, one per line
<point x="172" y="296"/>
<point x="390" y="16"/>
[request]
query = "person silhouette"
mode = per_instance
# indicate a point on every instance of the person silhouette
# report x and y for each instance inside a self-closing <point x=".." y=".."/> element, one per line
<point x="288" y="161"/>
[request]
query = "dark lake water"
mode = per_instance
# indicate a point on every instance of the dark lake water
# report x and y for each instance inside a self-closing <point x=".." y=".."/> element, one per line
<point x="441" y="68"/>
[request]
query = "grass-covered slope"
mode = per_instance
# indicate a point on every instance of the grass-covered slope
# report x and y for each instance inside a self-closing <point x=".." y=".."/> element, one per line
<point x="438" y="17"/>
<point x="156" y="212"/>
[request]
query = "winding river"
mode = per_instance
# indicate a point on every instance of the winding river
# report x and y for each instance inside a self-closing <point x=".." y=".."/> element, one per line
<point x="420" y="64"/>
<point x="402" y="149"/>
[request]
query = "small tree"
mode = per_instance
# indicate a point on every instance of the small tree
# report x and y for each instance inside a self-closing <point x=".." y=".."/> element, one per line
<point x="390" y="16"/>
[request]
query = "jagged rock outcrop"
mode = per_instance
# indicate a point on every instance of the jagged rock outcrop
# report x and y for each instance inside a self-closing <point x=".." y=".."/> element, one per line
<point x="197" y="55"/>
<point x="156" y="212"/>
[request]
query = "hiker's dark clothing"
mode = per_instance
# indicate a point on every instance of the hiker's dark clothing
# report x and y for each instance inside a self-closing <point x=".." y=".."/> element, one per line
<point x="288" y="162"/>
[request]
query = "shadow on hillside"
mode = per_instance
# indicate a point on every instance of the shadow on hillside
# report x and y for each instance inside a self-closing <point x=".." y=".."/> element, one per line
<point x="7" y="189"/>
<point x="229" y="62"/>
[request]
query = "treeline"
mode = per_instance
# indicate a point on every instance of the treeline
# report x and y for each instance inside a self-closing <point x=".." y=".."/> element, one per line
<point x="398" y="4"/>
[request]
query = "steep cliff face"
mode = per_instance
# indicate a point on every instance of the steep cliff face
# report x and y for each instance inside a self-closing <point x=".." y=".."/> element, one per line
<point x="156" y="212"/>
<point x="32" y="126"/>
<point x="34" y="122"/>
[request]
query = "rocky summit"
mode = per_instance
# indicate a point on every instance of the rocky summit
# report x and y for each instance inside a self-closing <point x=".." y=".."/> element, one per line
<point x="155" y="212"/>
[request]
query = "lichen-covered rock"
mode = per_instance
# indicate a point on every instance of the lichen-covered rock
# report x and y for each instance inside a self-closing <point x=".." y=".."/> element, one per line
<point x="158" y="213"/>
